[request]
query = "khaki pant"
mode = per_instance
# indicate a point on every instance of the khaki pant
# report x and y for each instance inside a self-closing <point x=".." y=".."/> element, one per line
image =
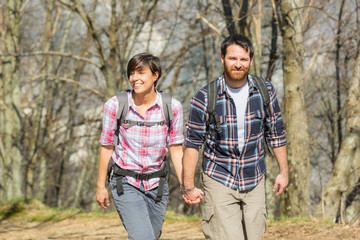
<point x="230" y="214"/>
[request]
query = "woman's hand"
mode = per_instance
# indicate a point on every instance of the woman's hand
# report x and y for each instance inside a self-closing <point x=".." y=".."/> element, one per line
<point x="102" y="197"/>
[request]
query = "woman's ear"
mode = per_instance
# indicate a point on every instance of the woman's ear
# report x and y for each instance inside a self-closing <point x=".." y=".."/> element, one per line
<point x="156" y="76"/>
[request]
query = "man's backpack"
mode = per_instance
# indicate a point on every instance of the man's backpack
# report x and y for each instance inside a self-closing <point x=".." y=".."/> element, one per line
<point x="212" y="97"/>
<point x="120" y="116"/>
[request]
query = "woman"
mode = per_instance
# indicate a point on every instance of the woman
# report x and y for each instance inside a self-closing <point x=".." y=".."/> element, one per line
<point x="141" y="151"/>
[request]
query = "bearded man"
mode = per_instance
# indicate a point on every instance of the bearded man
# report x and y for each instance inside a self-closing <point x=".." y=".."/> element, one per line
<point x="233" y="166"/>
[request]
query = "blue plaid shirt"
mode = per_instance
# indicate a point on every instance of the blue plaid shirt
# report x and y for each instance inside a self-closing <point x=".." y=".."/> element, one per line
<point x="222" y="159"/>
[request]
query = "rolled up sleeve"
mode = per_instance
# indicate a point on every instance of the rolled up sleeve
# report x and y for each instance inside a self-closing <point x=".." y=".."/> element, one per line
<point x="176" y="129"/>
<point x="275" y="130"/>
<point x="109" y="122"/>
<point x="196" y="124"/>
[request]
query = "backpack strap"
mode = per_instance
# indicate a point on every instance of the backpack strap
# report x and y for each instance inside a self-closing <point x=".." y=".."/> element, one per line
<point x="167" y="109"/>
<point x="260" y="82"/>
<point x="120" y="173"/>
<point x="211" y="104"/>
<point x="212" y="97"/>
<point x="123" y="110"/>
<point x="121" y="114"/>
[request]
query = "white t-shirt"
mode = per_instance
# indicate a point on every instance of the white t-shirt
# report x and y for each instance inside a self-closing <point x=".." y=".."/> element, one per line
<point x="240" y="97"/>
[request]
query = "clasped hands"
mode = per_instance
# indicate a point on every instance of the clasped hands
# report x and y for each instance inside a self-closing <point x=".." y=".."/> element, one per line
<point x="192" y="196"/>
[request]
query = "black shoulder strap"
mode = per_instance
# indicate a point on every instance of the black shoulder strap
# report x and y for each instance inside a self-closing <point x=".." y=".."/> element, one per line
<point x="121" y="114"/>
<point x="167" y="109"/>
<point x="211" y="104"/>
<point x="260" y="82"/>
<point x="212" y="97"/>
<point x="122" y="110"/>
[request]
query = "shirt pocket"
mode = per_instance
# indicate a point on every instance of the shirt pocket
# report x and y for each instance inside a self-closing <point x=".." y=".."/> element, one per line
<point x="257" y="119"/>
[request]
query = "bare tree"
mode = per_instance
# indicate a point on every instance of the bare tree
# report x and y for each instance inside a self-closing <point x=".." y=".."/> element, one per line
<point x="297" y="198"/>
<point x="11" y="165"/>
<point x="339" y="182"/>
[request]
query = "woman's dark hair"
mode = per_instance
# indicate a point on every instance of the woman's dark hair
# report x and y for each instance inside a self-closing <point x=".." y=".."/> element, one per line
<point x="145" y="59"/>
<point x="237" y="39"/>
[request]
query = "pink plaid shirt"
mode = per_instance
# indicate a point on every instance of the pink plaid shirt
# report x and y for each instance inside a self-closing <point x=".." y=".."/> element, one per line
<point x="142" y="149"/>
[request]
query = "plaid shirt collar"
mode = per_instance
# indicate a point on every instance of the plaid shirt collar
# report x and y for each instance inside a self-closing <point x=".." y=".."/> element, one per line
<point x="223" y="86"/>
<point x="132" y="105"/>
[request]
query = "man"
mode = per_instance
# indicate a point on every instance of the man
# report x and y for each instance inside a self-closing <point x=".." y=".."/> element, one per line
<point x="233" y="163"/>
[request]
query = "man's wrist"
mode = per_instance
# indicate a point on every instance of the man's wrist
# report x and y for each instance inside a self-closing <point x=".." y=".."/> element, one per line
<point x="186" y="189"/>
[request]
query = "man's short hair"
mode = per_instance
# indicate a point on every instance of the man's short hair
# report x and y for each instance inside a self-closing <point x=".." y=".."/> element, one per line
<point x="139" y="60"/>
<point x="237" y="39"/>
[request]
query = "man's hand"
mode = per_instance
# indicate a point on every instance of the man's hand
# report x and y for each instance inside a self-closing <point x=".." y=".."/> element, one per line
<point x="102" y="197"/>
<point x="281" y="182"/>
<point x="192" y="197"/>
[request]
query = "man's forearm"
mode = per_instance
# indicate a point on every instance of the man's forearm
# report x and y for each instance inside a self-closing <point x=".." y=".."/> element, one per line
<point x="176" y="152"/>
<point x="281" y="158"/>
<point x="190" y="159"/>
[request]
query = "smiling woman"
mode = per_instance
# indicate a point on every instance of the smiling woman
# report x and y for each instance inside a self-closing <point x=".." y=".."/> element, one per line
<point x="144" y="71"/>
<point x="138" y="164"/>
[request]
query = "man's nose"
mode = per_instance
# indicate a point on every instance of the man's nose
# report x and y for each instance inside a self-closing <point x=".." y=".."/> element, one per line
<point x="238" y="64"/>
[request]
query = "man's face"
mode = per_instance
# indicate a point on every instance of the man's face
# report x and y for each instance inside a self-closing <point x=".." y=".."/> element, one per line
<point x="237" y="63"/>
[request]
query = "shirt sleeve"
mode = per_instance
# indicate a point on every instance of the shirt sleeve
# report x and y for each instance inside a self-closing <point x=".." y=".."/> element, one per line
<point x="109" y="122"/>
<point x="274" y="130"/>
<point x="175" y="135"/>
<point x="196" y="124"/>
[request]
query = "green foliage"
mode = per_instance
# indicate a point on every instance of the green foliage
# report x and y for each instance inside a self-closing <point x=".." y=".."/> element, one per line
<point x="172" y="217"/>
<point x="14" y="208"/>
<point x="35" y="211"/>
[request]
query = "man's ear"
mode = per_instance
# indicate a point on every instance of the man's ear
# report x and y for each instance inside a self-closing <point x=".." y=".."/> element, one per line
<point x="222" y="58"/>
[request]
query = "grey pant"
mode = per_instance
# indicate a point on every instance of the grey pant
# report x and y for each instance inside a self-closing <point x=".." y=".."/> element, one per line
<point x="229" y="214"/>
<point x="141" y="216"/>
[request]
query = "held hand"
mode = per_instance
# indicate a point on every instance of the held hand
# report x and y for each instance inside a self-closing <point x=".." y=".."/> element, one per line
<point x="102" y="197"/>
<point x="193" y="197"/>
<point x="281" y="182"/>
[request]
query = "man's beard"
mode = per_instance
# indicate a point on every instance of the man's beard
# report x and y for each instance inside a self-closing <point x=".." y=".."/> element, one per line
<point x="236" y="76"/>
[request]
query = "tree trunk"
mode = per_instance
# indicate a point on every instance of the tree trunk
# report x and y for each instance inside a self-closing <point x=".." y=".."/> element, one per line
<point x="10" y="110"/>
<point x="348" y="155"/>
<point x="230" y="24"/>
<point x="338" y="78"/>
<point x="243" y="18"/>
<point x="298" y="197"/>
<point x="46" y="67"/>
<point x="255" y="36"/>
<point x="273" y="49"/>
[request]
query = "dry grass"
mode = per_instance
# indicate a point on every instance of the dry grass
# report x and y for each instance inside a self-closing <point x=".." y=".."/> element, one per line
<point x="30" y="219"/>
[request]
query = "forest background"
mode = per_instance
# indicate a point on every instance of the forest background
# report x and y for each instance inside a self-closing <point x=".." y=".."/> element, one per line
<point x="62" y="59"/>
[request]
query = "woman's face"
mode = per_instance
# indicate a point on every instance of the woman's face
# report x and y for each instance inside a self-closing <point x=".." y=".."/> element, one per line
<point x="142" y="79"/>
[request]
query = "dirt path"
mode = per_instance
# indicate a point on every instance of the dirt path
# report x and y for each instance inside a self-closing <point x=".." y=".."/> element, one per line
<point x="110" y="227"/>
